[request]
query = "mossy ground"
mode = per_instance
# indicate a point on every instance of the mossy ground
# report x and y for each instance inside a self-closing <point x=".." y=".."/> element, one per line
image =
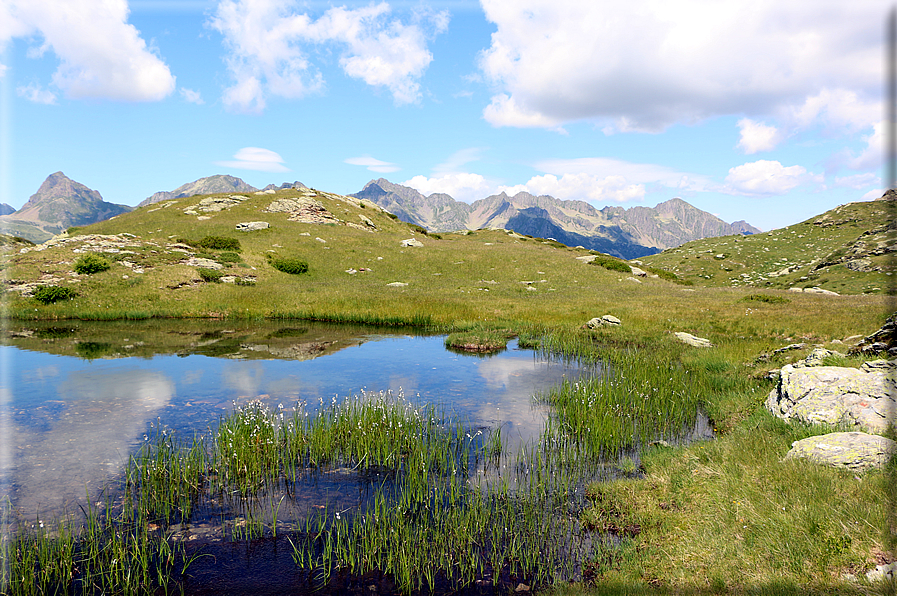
<point x="710" y="514"/>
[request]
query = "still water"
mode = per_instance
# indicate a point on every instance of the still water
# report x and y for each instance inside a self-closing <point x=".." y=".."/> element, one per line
<point x="78" y="398"/>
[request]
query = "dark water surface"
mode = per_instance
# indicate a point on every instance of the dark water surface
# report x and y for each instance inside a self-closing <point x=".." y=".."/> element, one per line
<point x="78" y="398"/>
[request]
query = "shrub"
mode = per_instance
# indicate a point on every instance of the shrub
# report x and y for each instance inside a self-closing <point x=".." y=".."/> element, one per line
<point x="91" y="263"/>
<point x="214" y="243"/>
<point x="211" y="275"/>
<point x="227" y="257"/>
<point x="612" y="263"/>
<point x="51" y="294"/>
<point x="669" y="276"/>
<point x="392" y="215"/>
<point x="288" y="265"/>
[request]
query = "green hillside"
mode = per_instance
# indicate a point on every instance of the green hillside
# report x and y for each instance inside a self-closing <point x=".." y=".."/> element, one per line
<point x="846" y="250"/>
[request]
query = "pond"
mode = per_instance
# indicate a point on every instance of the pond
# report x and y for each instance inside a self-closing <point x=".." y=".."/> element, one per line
<point x="79" y="403"/>
<point x="289" y="457"/>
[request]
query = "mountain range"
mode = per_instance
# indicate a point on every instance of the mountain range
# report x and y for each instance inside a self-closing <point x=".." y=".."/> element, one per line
<point x="627" y="233"/>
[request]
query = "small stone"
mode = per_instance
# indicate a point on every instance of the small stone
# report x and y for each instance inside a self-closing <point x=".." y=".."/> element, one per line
<point x="396" y="284"/>
<point x="688" y="338"/>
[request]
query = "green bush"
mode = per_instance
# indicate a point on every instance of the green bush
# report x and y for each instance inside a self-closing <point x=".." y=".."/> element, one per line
<point x="212" y="275"/>
<point x="51" y="294"/>
<point x="214" y="243"/>
<point x="228" y="257"/>
<point x="91" y="263"/>
<point x="612" y="263"/>
<point x="288" y="265"/>
<point x="669" y="276"/>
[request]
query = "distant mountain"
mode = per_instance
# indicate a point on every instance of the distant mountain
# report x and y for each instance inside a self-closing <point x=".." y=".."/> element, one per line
<point x="627" y="233"/>
<point x="6" y="209"/>
<point x="285" y="186"/>
<point x="203" y="186"/>
<point x="59" y="203"/>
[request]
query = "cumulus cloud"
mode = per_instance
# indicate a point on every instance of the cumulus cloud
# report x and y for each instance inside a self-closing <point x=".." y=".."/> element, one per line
<point x="191" y="96"/>
<point x="374" y="165"/>
<point x="583" y="187"/>
<point x="873" y="194"/>
<point x="646" y="64"/>
<point x="37" y="94"/>
<point x="269" y="42"/>
<point x="634" y="173"/>
<point x="765" y="178"/>
<point x="857" y="181"/>
<point x="256" y="158"/>
<point x="101" y="55"/>
<point x="757" y="136"/>
<point x="463" y="186"/>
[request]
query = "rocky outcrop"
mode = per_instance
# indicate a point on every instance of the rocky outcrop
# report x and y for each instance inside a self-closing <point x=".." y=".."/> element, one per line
<point x="883" y="340"/>
<point x="688" y="338"/>
<point x="215" y="204"/>
<point x="834" y="395"/>
<point x="855" y="451"/>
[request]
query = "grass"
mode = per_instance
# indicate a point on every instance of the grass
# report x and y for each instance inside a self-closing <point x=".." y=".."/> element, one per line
<point x="695" y="517"/>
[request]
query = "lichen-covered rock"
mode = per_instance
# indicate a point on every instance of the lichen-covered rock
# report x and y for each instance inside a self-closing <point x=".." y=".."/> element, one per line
<point x="856" y="451"/>
<point x="834" y="395"/>
<point x="606" y="320"/>
<point x="412" y="242"/>
<point x="816" y="357"/>
<point x="251" y="226"/>
<point x="688" y="338"/>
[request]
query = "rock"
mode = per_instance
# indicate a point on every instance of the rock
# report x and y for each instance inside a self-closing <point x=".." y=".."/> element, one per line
<point x="834" y="395"/>
<point x="202" y="263"/>
<point x="884" y="365"/>
<point x="366" y="221"/>
<point x="855" y="451"/>
<point x="799" y="346"/>
<point x="816" y="357"/>
<point x="882" y="572"/>
<point x="880" y="341"/>
<point x="587" y="258"/>
<point x="606" y="320"/>
<point x="820" y="291"/>
<point x="688" y="338"/>
<point x="638" y="272"/>
<point x="412" y="242"/>
<point x="396" y="284"/>
<point x="251" y="226"/>
<point x="303" y="210"/>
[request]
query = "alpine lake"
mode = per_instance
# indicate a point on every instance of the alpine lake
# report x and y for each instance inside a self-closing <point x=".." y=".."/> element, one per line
<point x="287" y="457"/>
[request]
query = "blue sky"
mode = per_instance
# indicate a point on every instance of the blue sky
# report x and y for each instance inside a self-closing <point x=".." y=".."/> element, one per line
<point x="767" y="111"/>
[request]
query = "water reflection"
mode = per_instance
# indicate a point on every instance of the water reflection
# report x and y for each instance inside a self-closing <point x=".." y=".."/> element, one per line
<point x="73" y="421"/>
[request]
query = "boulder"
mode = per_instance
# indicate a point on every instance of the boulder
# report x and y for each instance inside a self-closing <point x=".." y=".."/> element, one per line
<point x="882" y="340"/>
<point x="606" y="320"/>
<point x="396" y="284"/>
<point x="412" y="242"/>
<point x="688" y="338"/>
<point x="834" y="395"/>
<point x="855" y="451"/>
<point x="251" y="226"/>
<point x="638" y="272"/>
<point x="816" y="357"/>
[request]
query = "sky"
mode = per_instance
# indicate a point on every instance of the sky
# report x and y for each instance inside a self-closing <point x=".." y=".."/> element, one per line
<point x="768" y="111"/>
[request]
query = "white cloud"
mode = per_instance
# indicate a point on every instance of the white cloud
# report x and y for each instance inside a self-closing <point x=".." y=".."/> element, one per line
<point x="458" y="159"/>
<point x="763" y="178"/>
<point x="462" y="186"/>
<point x="37" y="94"/>
<point x="582" y="187"/>
<point x="268" y="40"/>
<point x="857" y="181"/>
<point x="873" y="194"/>
<point x="871" y="157"/>
<point x="101" y="55"/>
<point x="374" y="165"/>
<point x="837" y="108"/>
<point x="757" y="136"/>
<point x="191" y="96"/>
<point x="256" y="158"/>
<point x="633" y="173"/>
<point x="646" y="64"/>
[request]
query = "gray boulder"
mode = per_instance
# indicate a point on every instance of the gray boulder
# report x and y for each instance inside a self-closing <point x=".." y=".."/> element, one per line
<point x="816" y="357"/>
<point x="251" y="226"/>
<point x="412" y="242"/>
<point x="855" y="451"/>
<point x="834" y="395"/>
<point x="605" y="321"/>
<point x="688" y="338"/>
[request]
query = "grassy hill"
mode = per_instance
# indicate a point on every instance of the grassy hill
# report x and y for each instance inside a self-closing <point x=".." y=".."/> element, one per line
<point x="846" y="250"/>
